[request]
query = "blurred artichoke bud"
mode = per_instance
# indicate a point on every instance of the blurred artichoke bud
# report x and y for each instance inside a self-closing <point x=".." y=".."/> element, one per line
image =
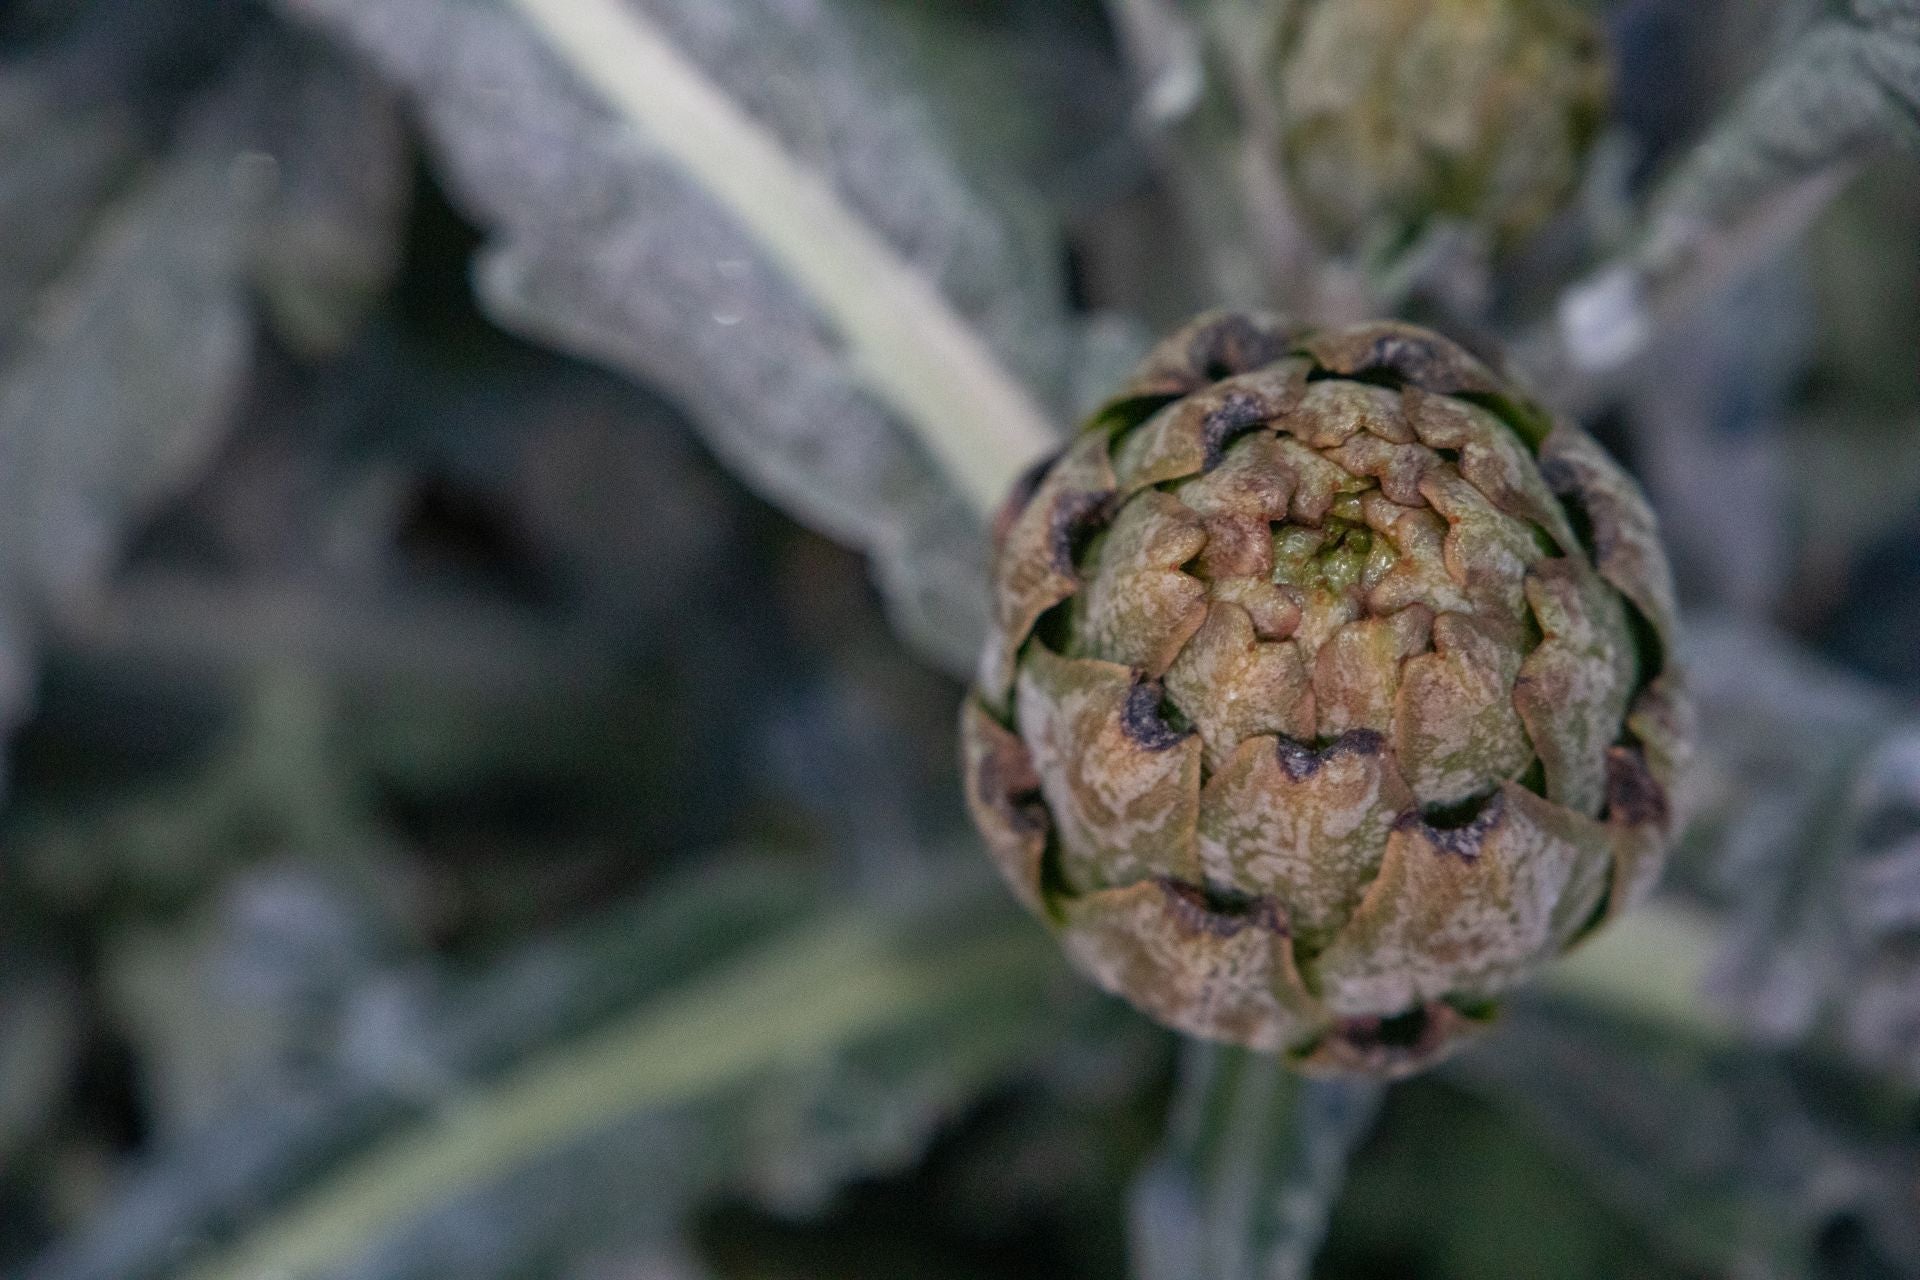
<point x="1393" y="112"/>
<point x="1330" y="691"/>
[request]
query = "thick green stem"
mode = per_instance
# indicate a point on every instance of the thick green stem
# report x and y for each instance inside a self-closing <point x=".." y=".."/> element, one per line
<point x="915" y="351"/>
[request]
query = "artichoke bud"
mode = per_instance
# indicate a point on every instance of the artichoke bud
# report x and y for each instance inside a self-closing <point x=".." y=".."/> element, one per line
<point x="1329" y="692"/>
<point x="1395" y="112"/>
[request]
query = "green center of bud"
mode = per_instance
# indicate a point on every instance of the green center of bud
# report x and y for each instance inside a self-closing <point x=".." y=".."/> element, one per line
<point x="1330" y="560"/>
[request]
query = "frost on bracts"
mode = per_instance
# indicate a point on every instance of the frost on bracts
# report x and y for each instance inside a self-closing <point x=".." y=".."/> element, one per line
<point x="1330" y="691"/>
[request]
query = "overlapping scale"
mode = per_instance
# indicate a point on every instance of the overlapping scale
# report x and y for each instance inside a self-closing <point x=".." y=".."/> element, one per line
<point x="1122" y="786"/>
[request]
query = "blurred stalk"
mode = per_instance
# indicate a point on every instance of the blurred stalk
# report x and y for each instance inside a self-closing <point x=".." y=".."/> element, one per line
<point x="1190" y="127"/>
<point x="845" y="976"/>
<point x="1254" y="1149"/>
<point x="1205" y="106"/>
<point x="917" y="353"/>
<point x="1255" y="1157"/>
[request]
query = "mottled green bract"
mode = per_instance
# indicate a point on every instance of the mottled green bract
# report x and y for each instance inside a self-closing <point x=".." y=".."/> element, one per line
<point x="1330" y="691"/>
<point x="1393" y="112"/>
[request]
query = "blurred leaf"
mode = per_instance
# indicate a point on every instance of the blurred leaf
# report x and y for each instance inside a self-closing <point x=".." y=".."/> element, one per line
<point x="1871" y="627"/>
<point x="61" y="165"/>
<point x="1811" y="839"/>
<point x="134" y="331"/>
<point x="255" y="986"/>
<point x="86" y="93"/>
<point x="448" y="556"/>
<point x="268" y="785"/>
<point x="838" y="979"/>
<point x="1452" y="1187"/>
<point x="126" y="378"/>
<point x="405" y="1064"/>
<point x="409" y="1044"/>
<point x="1205" y="102"/>
<point x="791" y="1136"/>
<point x="1255" y="1158"/>
<point x="327" y="241"/>
<point x="40" y="1035"/>
<point x="1027" y="95"/>
<point x="1738" y="1162"/>
<point x="1651" y="964"/>
<point x="1708" y="423"/>
<point x="604" y="246"/>
<point x="868" y="1108"/>
<point x="1845" y="89"/>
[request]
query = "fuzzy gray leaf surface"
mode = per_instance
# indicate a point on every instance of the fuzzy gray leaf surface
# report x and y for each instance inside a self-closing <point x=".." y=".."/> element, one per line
<point x="1811" y="837"/>
<point x="1848" y="86"/>
<point x="1740" y="1161"/>
<point x="601" y="246"/>
<point x="129" y="326"/>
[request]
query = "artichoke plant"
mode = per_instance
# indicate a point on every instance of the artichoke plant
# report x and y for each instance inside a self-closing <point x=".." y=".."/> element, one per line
<point x="1330" y="691"/>
<point x="1393" y="111"/>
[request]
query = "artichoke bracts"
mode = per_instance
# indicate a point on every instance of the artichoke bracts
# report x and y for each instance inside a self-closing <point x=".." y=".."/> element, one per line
<point x="1330" y="691"/>
<point x="1394" y="112"/>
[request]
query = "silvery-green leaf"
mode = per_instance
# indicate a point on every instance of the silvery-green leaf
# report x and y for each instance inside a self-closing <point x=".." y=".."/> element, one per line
<point x="1736" y="1160"/>
<point x="84" y="98"/>
<point x="134" y="326"/>
<point x="602" y="244"/>
<point x="254" y="986"/>
<point x="1842" y="91"/>
<point x="870" y="1107"/>
<point x="1810" y="838"/>
<point x="1708" y="421"/>
<point x="60" y="166"/>
<point x="123" y="383"/>
<point x="510" y="1107"/>
<point x="1027" y="95"/>
<point x="629" y="1187"/>
<point x="790" y="1139"/>
<point x="405" y="1041"/>
<point x="1847" y="86"/>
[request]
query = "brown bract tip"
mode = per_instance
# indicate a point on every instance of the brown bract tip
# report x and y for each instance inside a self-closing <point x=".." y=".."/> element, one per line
<point x="1235" y="343"/>
<point x="1301" y="762"/>
<point x="1194" y="911"/>
<point x="1143" y="721"/>
<point x="1634" y="796"/>
<point x="1024" y="487"/>
<point x="1389" y="1048"/>
<point x="1416" y="356"/>
<point x="1240" y="413"/>
<point x="1461" y="839"/>
<point x="1072" y="514"/>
